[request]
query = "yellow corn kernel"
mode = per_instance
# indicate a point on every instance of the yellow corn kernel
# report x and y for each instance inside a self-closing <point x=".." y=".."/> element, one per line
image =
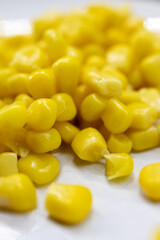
<point x="75" y="53"/>
<point x="67" y="70"/>
<point x="67" y="131"/>
<point x="150" y="67"/>
<point x="42" y="114"/>
<point x="119" y="143"/>
<point x="112" y="71"/>
<point x="120" y="56"/>
<point x="92" y="49"/>
<point x="43" y="142"/>
<point x="95" y="61"/>
<point x="89" y="145"/>
<point x="127" y="97"/>
<point x="114" y="36"/>
<point x="66" y="109"/>
<point x="144" y="115"/>
<point x="118" y="165"/>
<point x="7" y="101"/>
<point x="117" y="117"/>
<point x="55" y="44"/>
<point x="151" y="96"/>
<point x="13" y="116"/>
<point x="17" y="193"/>
<point x="144" y="139"/>
<point x="15" y="141"/>
<point x="104" y="84"/>
<point x="29" y="59"/>
<point x="149" y="180"/>
<point x="17" y="84"/>
<point x="42" y="83"/>
<point x="8" y="164"/>
<point x="136" y="79"/>
<point x="40" y="168"/>
<point x="143" y="43"/>
<point x="68" y="203"/>
<point x="26" y="99"/>
<point x="5" y="73"/>
<point x="92" y="107"/>
<point x="80" y="93"/>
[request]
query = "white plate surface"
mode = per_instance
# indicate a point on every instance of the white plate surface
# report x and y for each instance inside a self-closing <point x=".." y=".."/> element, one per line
<point x="120" y="211"/>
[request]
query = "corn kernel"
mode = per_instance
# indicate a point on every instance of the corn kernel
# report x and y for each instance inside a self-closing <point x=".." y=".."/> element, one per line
<point x="104" y="84"/>
<point x="115" y="36"/>
<point x="29" y="59"/>
<point x="43" y="142"/>
<point x="118" y="165"/>
<point x="92" y="49"/>
<point x="89" y="145"/>
<point x="150" y="67"/>
<point x="67" y="71"/>
<point x="42" y="83"/>
<point x="144" y="115"/>
<point x="149" y="180"/>
<point x="117" y="117"/>
<point x="40" y="168"/>
<point x="5" y="73"/>
<point x="17" y="193"/>
<point x="120" y="56"/>
<point x="144" y="139"/>
<point x="127" y="97"/>
<point x="66" y="109"/>
<point x="68" y="203"/>
<point x="103" y="130"/>
<point x="13" y="116"/>
<point x="95" y="61"/>
<point x="42" y="114"/>
<point x="135" y="78"/>
<point x="26" y="99"/>
<point x="92" y="107"/>
<point x="55" y="44"/>
<point x="17" y="84"/>
<point x="8" y="164"/>
<point x="66" y="130"/>
<point x="119" y="143"/>
<point x="75" y="53"/>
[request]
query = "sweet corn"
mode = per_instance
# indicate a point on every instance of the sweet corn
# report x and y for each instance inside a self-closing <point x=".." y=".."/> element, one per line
<point x="8" y="164"/>
<point x="118" y="165"/>
<point x="96" y="104"/>
<point x="103" y="130"/>
<point x="68" y="203"/>
<point x="29" y="59"/>
<point x="67" y="70"/>
<point x="17" y="84"/>
<point x="40" y="168"/>
<point x="55" y="44"/>
<point x="67" y="131"/>
<point x="144" y="115"/>
<point x="144" y="139"/>
<point x="66" y="109"/>
<point x="26" y="99"/>
<point x="43" y="142"/>
<point x="5" y="73"/>
<point x="89" y="145"/>
<point x="17" y="193"/>
<point x="119" y="143"/>
<point x="150" y="67"/>
<point x="135" y="78"/>
<point x="42" y="114"/>
<point x="92" y="49"/>
<point x="127" y="97"/>
<point x="13" y="116"/>
<point x="149" y="180"/>
<point x="117" y="117"/>
<point x="75" y="53"/>
<point x="105" y="84"/>
<point x="95" y="61"/>
<point x="121" y="57"/>
<point x="42" y="83"/>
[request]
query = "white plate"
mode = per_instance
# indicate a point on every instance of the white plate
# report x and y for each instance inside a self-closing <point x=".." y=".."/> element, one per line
<point x="120" y="211"/>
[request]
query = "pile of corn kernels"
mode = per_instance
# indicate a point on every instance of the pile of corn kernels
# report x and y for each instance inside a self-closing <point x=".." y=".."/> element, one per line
<point x="87" y="78"/>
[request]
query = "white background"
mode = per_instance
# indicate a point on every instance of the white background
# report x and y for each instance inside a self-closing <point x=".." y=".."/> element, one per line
<point x="120" y="211"/>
